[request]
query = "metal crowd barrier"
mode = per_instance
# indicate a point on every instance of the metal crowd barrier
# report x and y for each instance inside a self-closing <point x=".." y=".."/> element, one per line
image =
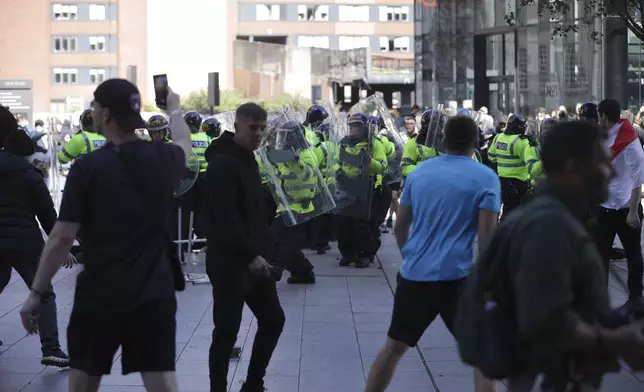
<point x="193" y="261"/>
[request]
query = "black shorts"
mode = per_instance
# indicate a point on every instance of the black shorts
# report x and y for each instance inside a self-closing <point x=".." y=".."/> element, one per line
<point x="416" y="305"/>
<point x="394" y="186"/>
<point x="146" y="335"/>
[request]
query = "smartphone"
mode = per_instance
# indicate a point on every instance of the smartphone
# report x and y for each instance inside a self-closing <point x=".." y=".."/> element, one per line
<point x="161" y="90"/>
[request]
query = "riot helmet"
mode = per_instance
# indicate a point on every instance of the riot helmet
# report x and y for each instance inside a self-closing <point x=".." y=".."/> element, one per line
<point x="516" y="125"/>
<point x="157" y="127"/>
<point x="588" y="111"/>
<point x="211" y="127"/>
<point x="85" y="121"/>
<point x="547" y="124"/>
<point x="434" y="117"/>
<point x="358" y="126"/>
<point x="289" y="135"/>
<point x="465" y="112"/>
<point x="193" y="119"/>
<point x="316" y="115"/>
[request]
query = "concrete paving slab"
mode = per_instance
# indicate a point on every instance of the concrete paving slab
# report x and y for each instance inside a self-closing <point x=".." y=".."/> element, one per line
<point x="332" y="333"/>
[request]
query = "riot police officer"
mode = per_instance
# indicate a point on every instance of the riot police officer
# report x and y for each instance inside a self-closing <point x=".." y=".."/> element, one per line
<point x="294" y="166"/>
<point x="314" y="117"/>
<point x="158" y="128"/>
<point x="508" y="152"/>
<point x="212" y="128"/>
<point x="416" y="150"/>
<point x="533" y="155"/>
<point x="83" y="142"/>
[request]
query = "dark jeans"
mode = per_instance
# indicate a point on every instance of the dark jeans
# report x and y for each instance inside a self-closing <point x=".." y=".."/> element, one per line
<point x="353" y="236"/>
<point x="613" y="222"/>
<point x="230" y="294"/>
<point x="26" y="265"/>
<point x="512" y="193"/>
<point x="287" y="248"/>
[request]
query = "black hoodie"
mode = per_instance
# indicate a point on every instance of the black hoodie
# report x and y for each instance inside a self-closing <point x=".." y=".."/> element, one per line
<point x="237" y="228"/>
<point x="23" y="198"/>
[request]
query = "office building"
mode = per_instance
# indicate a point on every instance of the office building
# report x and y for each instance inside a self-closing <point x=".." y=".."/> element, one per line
<point x="54" y="53"/>
<point x="384" y="27"/>
<point x="467" y="54"/>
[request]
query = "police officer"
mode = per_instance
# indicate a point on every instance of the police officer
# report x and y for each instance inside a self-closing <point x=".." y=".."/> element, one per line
<point x="321" y="228"/>
<point x="415" y="150"/>
<point x="533" y="154"/>
<point x="382" y="193"/>
<point x="314" y="117"/>
<point x="355" y="242"/>
<point x="83" y="142"/>
<point x="195" y="200"/>
<point x="212" y="128"/>
<point x="158" y="128"/>
<point x="508" y="152"/>
<point x="299" y="182"/>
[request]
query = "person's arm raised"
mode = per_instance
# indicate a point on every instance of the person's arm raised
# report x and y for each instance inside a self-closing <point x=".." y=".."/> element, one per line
<point x="178" y="127"/>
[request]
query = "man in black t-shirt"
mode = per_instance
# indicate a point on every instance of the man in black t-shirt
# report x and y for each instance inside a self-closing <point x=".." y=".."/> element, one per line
<point x="119" y="195"/>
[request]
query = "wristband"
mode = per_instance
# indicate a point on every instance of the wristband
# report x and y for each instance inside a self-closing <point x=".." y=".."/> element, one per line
<point x="38" y="293"/>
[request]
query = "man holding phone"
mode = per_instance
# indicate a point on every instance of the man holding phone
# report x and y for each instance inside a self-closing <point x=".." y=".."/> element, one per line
<point x="125" y="296"/>
<point x="239" y="241"/>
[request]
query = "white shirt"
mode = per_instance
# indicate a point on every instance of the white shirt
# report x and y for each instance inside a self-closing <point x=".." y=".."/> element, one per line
<point x="629" y="172"/>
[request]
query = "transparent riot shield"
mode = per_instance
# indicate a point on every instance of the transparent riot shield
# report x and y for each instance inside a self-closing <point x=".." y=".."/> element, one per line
<point x="291" y="168"/>
<point x="190" y="177"/>
<point x="350" y="157"/>
<point x="433" y="137"/>
<point x="227" y="121"/>
<point x="374" y="105"/>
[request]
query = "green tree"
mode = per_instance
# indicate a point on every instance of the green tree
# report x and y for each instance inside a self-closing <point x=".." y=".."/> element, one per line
<point x="561" y="12"/>
<point x="195" y="100"/>
<point x="150" y="107"/>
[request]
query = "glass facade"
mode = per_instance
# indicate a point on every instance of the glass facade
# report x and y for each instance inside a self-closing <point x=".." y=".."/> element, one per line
<point x="470" y="56"/>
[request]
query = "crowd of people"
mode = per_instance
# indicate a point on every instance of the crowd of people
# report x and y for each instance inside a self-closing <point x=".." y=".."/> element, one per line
<point x="540" y="206"/>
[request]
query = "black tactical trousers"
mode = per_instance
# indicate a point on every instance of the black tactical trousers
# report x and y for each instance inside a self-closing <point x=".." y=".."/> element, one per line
<point x="321" y="229"/>
<point x="379" y="206"/>
<point x="287" y="249"/>
<point x="26" y="265"/>
<point x="513" y="192"/>
<point x="230" y="292"/>
<point x="354" y="239"/>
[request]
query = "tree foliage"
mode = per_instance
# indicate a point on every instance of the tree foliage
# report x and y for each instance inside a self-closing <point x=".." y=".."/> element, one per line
<point x="230" y="100"/>
<point x="561" y="14"/>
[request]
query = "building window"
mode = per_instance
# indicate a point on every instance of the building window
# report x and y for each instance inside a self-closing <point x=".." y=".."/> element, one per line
<point x="354" y="13"/>
<point x="65" y="44"/>
<point x="97" y="43"/>
<point x="65" y="12"/>
<point x="267" y="12"/>
<point x="394" y="14"/>
<point x="97" y="75"/>
<point x="318" y="13"/>
<point x="400" y="44"/>
<point x="97" y="12"/>
<point x="65" y="75"/>
<point x="307" y="41"/>
<point x="58" y="106"/>
<point x="348" y="43"/>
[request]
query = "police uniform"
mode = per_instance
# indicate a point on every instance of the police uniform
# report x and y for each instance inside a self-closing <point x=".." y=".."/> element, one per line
<point x="509" y="152"/>
<point x="355" y="242"/>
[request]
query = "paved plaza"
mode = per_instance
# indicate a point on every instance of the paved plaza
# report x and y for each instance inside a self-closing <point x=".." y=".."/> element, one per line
<point x="332" y="334"/>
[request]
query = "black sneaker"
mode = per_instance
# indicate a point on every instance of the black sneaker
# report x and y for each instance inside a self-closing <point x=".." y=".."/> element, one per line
<point x="321" y="250"/>
<point x="346" y="262"/>
<point x="384" y="229"/>
<point x="390" y="223"/>
<point x="306" y="279"/>
<point x="57" y="358"/>
<point x="363" y="262"/>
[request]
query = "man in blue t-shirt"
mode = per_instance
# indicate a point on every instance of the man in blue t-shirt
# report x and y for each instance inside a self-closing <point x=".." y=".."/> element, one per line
<point x="446" y="203"/>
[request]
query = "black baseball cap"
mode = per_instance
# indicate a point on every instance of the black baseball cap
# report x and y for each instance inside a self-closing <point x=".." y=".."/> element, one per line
<point x="124" y="101"/>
